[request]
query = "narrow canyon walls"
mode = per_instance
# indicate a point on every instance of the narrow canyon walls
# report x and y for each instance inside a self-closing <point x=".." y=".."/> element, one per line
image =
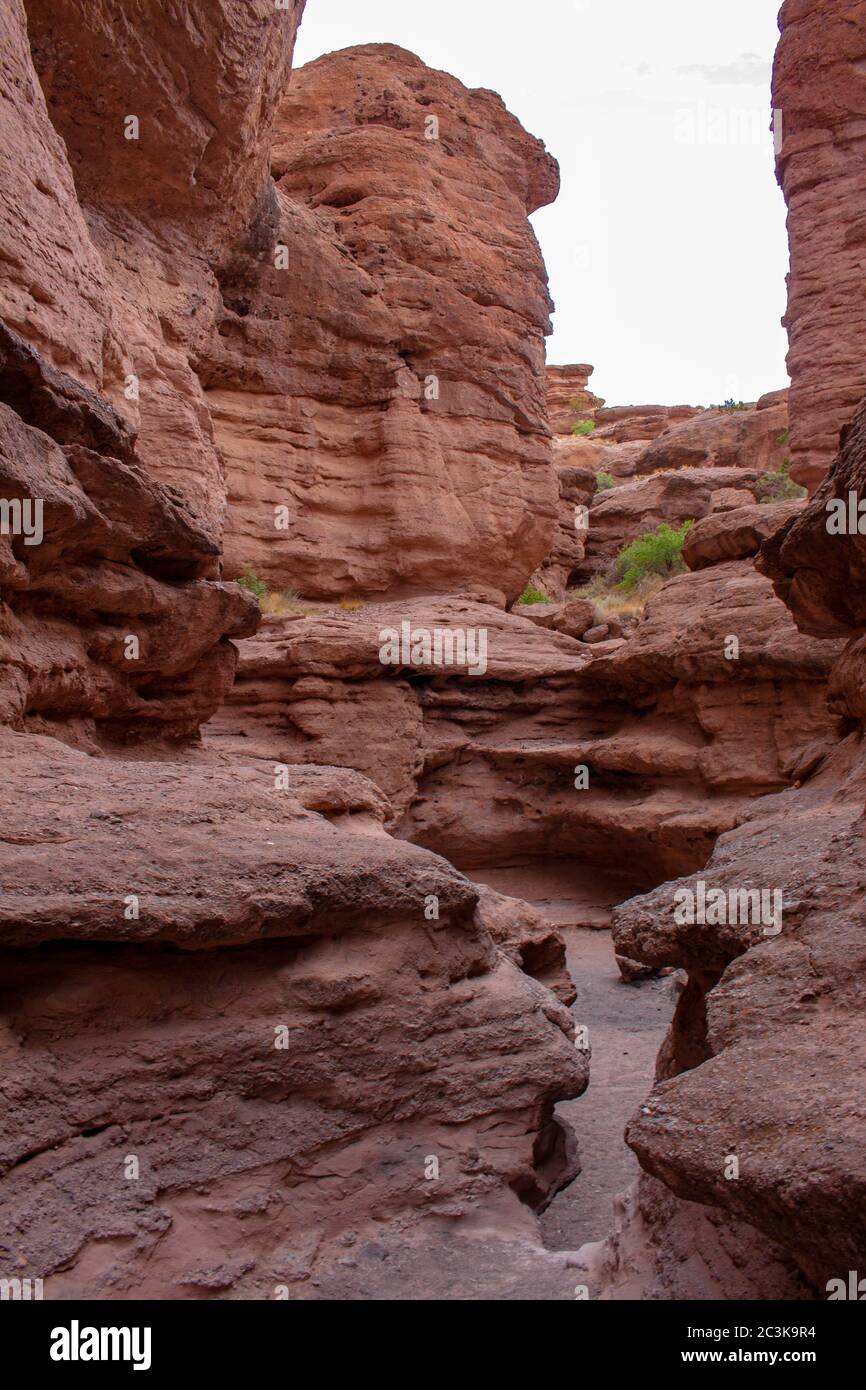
<point x="244" y="1028"/>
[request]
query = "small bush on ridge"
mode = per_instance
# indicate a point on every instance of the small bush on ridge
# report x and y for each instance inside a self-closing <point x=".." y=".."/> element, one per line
<point x="656" y="552"/>
<point x="532" y="595"/>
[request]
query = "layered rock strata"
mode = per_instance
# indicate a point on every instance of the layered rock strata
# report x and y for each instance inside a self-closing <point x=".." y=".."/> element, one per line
<point x="755" y="438"/>
<point x="676" y="736"/>
<point x="233" y="1032"/>
<point x="111" y="624"/>
<point x="405" y="430"/>
<point x="392" y="436"/>
<point x="569" y="400"/>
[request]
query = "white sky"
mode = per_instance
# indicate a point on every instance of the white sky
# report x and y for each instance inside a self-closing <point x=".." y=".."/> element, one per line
<point x="666" y="249"/>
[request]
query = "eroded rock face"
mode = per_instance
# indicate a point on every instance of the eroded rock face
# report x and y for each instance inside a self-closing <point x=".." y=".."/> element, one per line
<point x="663" y="1247"/>
<point x="676" y="736"/>
<point x="568" y="398"/>
<point x="111" y="626"/>
<point x="628" y="424"/>
<point x="414" y="394"/>
<point x="767" y="1032"/>
<point x="223" y="972"/>
<point x="406" y="1038"/>
<point x="736" y="533"/>
<point x="620" y="514"/>
<point x="405" y="430"/>
<point x="818" y="560"/>
<point x="577" y="480"/>
<point x="819" y="93"/>
<point x="125" y="286"/>
<point x="755" y="439"/>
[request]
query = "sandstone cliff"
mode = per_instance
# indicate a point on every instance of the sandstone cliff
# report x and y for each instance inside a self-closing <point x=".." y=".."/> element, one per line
<point x="819" y="98"/>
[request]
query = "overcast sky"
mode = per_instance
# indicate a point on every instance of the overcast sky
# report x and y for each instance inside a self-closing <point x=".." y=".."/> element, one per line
<point x="666" y="248"/>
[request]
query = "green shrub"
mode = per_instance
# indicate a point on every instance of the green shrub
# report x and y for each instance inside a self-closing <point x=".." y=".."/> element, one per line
<point x="779" y="486"/>
<point x="656" y="552"/>
<point x="583" y="427"/>
<point x="784" y="438"/>
<point x="731" y="405"/>
<point x="251" y="582"/>
<point x="532" y="595"/>
<point x="604" y="481"/>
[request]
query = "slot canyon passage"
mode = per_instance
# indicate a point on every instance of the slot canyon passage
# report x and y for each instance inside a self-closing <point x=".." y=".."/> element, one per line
<point x="348" y="809"/>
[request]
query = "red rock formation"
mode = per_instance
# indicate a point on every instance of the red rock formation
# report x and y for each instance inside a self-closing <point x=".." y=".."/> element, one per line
<point x="626" y="424"/>
<point x="677" y="737"/>
<point x="755" y="438"/>
<point x="767" y="1033"/>
<point x="161" y="209"/>
<point x="418" y="397"/>
<point x="110" y="625"/>
<point x="818" y="561"/>
<point x="568" y="399"/>
<point x="205" y="900"/>
<point x="327" y="298"/>
<point x="576" y="476"/>
<point x="665" y="1248"/>
<point x="819" y="96"/>
<point x="741" y="1075"/>
<point x="407" y="1037"/>
<point x="416" y="401"/>
<point x="736" y="533"/>
<point x="620" y="514"/>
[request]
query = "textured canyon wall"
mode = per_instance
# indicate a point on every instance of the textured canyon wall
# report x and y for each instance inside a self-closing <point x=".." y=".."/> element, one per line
<point x="405" y="428"/>
<point x="768" y="1030"/>
<point x="393" y="439"/>
<point x="203" y="1095"/>
<point x="240" y="1023"/>
<point x="480" y="764"/>
<point x="162" y="120"/>
<point x="111" y="626"/>
<point x="819" y="94"/>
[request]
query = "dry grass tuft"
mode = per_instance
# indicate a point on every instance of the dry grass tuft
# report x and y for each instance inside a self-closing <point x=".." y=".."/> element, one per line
<point x="611" y="601"/>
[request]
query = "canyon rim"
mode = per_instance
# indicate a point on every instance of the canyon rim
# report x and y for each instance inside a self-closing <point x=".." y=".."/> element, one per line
<point x="432" y="849"/>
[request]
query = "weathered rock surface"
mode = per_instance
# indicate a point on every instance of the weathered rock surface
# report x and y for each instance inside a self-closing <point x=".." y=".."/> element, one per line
<point x="568" y="398"/>
<point x="405" y="431"/>
<point x="818" y="562"/>
<point x="412" y="398"/>
<point x="762" y="1068"/>
<point x="754" y="439"/>
<point x="406" y="1037"/>
<point x="316" y="689"/>
<point x="768" y="1036"/>
<point x="166" y="916"/>
<point x="819" y="94"/>
<point x="577" y="484"/>
<point x="629" y="424"/>
<point x="664" y="1248"/>
<point x="109" y="628"/>
<point x="162" y="202"/>
<point x="676" y="737"/>
<point x="622" y="513"/>
<point x="299" y="328"/>
<point x="736" y="533"/>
